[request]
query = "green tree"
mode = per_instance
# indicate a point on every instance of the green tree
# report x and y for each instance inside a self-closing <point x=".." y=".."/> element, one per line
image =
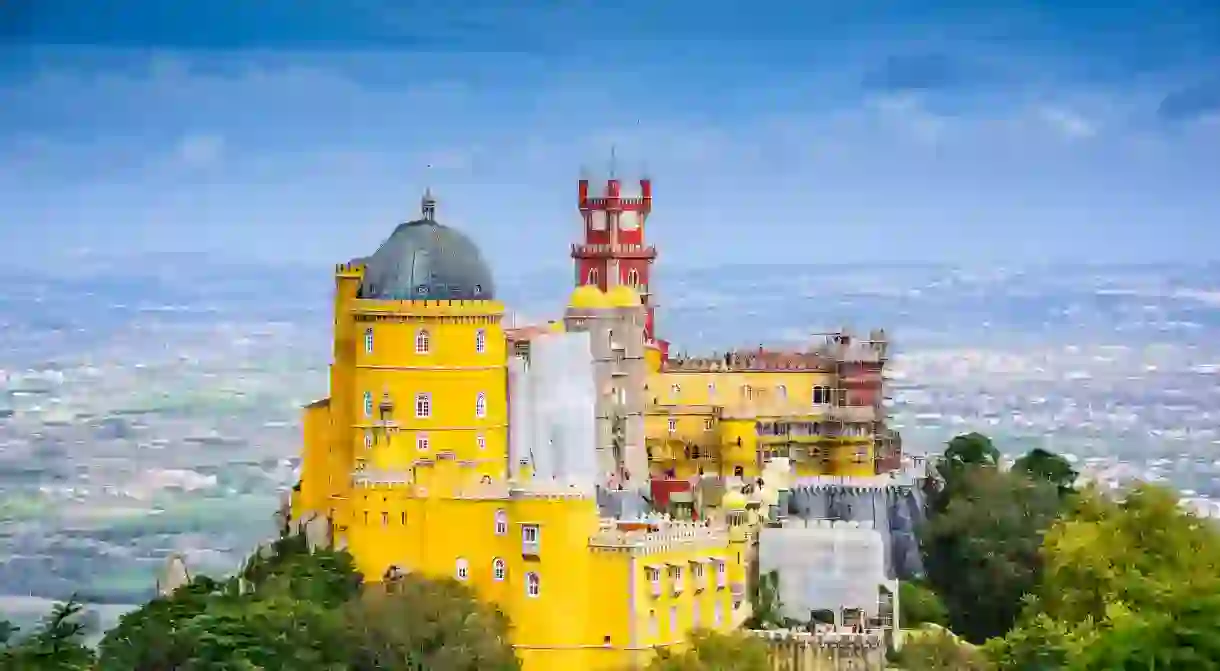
<point x="413" y="623"/>
<point x="1127" y="583"/>
<point x="918" y="604"/>
<point x="766" y="608"/>
<point x="57" y="644"/>
<point x="982" y="551"/>
<point x="1044" y="465"/>
<point x="935" y="649"/>
<point x="962" y="455"/>
<point x="713" y="651"/>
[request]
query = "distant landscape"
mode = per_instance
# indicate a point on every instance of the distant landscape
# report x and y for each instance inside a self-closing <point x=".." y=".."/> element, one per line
<point x="156" y="411"/>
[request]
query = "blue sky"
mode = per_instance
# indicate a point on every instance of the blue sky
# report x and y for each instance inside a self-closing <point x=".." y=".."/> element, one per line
<point x="298" y="131"/>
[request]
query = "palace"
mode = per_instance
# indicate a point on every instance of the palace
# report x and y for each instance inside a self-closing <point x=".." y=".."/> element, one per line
<point x="537" y="464"/>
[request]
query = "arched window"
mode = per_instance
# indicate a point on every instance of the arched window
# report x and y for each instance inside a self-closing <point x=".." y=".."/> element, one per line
<point x="480" y="341"/>
<point x="782" y="391"/>
<point x="423" y="406"/>
<point x="480" y="405"/>
<point x="633" y="277"/>
<point x="368" y="404"/>
<point x="592" y="276"/>
<point x="501" y="522"/>
<point x="423" y="342"/>
<point x="463" y="568"/>
<point x="498" y="569"/>
<point x="533" y="586"/>
<point x="368" y="341"/>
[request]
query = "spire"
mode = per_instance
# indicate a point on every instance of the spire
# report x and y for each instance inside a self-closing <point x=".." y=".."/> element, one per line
<point x="427" y="205"/>
<point x="613" y="161"/>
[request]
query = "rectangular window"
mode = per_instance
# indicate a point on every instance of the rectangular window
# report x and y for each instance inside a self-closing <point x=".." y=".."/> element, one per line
<point x="530" y="539"/>
<point x="654" y="627"/>
<point x="673" y="425"/>
<point x="653" y="575"/>
<point x="368" y="341"/>
<point x="721" y="575"/>
<point x="673" y="619"/>
<point x="402" y="518"/>
<point x="368" y="439"/>
<point x="421" y="442"/>
<point x="423" y="406"/>
<point x="711" y="392"/>
<point x="385" y="519"/>
<point x="480" y="341"/>
<point x="480" y="441"/>
<point x="708" y="424"/>
<point x="368" y="404"/>
<point x="480" y="405"/>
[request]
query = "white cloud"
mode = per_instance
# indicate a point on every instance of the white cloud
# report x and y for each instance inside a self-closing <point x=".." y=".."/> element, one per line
<point x="200" y="150"/>
<point x="1067" y="122"/>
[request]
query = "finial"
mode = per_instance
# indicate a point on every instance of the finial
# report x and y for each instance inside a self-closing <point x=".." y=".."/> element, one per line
<point x="613" y="161"/>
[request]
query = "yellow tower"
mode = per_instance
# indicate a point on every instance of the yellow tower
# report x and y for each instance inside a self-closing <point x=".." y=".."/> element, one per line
<point x="419" y="369"/>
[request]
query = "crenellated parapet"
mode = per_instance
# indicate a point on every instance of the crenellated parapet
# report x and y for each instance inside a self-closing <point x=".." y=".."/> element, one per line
<point x="652" y="537"/>
<point x="869" y="640"/>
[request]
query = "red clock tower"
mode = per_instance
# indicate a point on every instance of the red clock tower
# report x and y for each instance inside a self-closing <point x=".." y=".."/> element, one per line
<point x="613" y="250"/>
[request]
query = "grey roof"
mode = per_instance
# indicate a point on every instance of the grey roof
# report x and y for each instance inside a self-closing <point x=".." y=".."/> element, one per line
<point x="425" y="260"/>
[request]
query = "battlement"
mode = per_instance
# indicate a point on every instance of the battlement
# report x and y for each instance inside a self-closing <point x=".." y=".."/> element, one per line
<point x="798" y="523"/>
<point x="657" y="536"/>
<point x="753" y="361"/>
<point x="351" y="268"/>
<point x="429" y="308"/>
<point x="858" y="484"/>
<point x="869" y="640"/>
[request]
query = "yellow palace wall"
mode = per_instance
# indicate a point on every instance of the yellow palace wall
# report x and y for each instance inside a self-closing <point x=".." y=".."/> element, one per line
<point x="713" y="410"/>
<point x="595" y="608"/>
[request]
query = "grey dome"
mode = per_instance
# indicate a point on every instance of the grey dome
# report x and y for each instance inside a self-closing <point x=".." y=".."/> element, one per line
<point x="425" y="260"/>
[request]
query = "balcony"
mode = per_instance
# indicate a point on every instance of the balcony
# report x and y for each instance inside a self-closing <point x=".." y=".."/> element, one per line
<point x="615" y="251"/>
<point x="854" y="413"/>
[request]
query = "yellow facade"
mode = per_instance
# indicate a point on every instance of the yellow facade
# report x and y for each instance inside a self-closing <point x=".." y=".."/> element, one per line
<point x="708" y="421"/>
<point x="408" y="459"/>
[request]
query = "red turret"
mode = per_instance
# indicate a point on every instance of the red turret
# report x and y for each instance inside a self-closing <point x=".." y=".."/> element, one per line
<point x="613" y="250"/>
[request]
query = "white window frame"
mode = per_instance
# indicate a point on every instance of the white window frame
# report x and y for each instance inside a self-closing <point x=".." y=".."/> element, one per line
<point x="722" y="574"/>
<point x="480" y="442"/>
<point x="501" y="523"/>
<point x="423" y="341"/>
<point x="421" y="442"/>
<point x="480" y="341"/>
<point x="368" y="340"/>
<point x="633" y="277"/>
<point x="368" y="404"/>
<point x="480" y="405"/>
<point x="462" y="568"/>
<point x="673" y="425"/>
<point x="531" y="539"/>
<point x="592" y="277"/>
<point x="782" y="391"/>
<point x="499" y="569"/>
<point x="675" y="576"/>
<point x="423" y="405"/>
<point x="533" y="585"/>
